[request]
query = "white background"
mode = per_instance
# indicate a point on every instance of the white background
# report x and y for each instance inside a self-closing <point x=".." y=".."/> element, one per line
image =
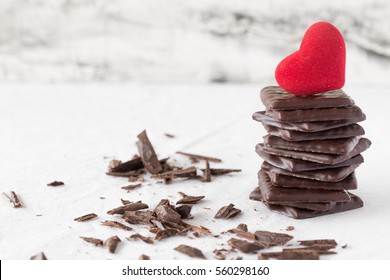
<point x="65" y="132"/>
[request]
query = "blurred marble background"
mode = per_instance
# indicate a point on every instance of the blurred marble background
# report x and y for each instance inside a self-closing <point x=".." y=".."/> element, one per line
<point x="192" y="41"/>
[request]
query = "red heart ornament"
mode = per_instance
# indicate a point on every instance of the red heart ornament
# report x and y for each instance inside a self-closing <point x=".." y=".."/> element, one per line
<point x="318" y="65"/>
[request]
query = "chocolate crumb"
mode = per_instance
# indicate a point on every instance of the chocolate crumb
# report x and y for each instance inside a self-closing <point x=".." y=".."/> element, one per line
<point x="184" y="211"/>
<point x="131" y="187"/>
<point x="14" y="200"/>
<point x="94" y="241"/>
<point x="115" y="224"/>
<point x="344" y="246"/>
<point x="144" y="257"/>
<point x="56" y="184"/>
<point x="86" y="217"/>
<point x="290" y="228"/>
<point x="190" y="251"/>
<point x="39" y="257"/>
<point x="112" y="243"/>
<point x="227" y="212"/>
<point x="190" y="199"/>
<point x="145" y="239"/>
<point x="169" y="135"/>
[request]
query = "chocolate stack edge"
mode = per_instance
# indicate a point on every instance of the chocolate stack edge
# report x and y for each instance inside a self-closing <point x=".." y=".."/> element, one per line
<point x="313" y="146"/>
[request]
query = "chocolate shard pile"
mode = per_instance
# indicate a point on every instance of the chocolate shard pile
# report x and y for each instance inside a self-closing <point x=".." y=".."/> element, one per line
<point x="310" y="153"/>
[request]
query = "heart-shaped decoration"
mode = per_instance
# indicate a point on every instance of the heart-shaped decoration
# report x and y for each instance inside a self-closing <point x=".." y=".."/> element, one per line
<point x="318" y="65"/>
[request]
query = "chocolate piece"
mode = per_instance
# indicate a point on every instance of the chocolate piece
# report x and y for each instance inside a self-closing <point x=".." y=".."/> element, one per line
<point x="244" y="246"/>
<point x="274" y="97"/>
<point x="55" y="184"/>
<point x="166" y="233"/>
<point x="184" y="211"/>
<point x="227" y="212"/>
<point x="334" y="146"/>
<point x="112" y="243"/>
<point x="207" y="173"/>
<point x="169" y="135"/>
<point x="363" y="145"/>
<point x="138" y="217"/>
<point x="190" y="251"/>
<point x="135" y="164"/>
<point x="145" y="239"/>
<point x="334" y="133"/>
<point x="189" y="172"/>
<point x="299" y="213"/>
<point x="14" y="200"/>
<point x="165" y="213"/>
<point x="322" y="242"/>
<point x="328" y="114"/>
<point x="274" y="194"/>
<point x="304" y="126"/>
<point x="290" y="228"/>
<point x="86" y="217"/>
<point x="94" y="241"/>
<point x="256" y="195"/>
<point x="327" y="175"/>
<point x="115" y="224"/>
<point x="188" y="199"/>
<point x="298" y="165"/>
<point x="212" y="159"/>
<point x="147" y="153"/>
<point x="349" y="183"/>
<point x="270" y="239"/>
<point x="39" y="257"/>
<point x="128" y="207"/>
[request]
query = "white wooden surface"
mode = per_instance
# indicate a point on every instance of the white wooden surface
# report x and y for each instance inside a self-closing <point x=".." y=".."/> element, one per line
<point x="70" y="133"/>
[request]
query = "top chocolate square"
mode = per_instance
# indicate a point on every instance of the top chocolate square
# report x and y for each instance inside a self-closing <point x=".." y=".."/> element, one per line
<point x="275" y="98"/>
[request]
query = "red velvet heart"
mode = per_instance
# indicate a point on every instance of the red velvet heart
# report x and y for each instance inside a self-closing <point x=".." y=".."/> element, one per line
<point x="318" y="65"/>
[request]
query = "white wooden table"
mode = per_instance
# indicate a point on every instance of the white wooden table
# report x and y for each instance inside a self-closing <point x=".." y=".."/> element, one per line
<point x="70" y="133"/>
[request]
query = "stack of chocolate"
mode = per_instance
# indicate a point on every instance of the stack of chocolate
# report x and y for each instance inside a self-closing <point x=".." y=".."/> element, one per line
<point x="310" y="153"/>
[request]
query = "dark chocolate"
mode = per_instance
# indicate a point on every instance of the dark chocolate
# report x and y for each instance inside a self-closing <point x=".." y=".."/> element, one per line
<point x="274" y="194"/>
<point x="298" y="156"/>
<point x="147" y="153"/>
<point x="330" y="146"/>
<point x="334" y="133"/>
<point x="299" y="213"/>
<point x="256" y="195"/>
<point x="274" y="97"/>
<point x="327" y="175"/>
<point x="328" y="114"/>
<point x="349" y="183"/>
<point x="298" y="165"/>
<point x="304" y="126"/>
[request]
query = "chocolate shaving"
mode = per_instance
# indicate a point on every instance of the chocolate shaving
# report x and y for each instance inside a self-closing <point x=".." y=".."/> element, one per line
<point x="39" y="257"/>
<point x="201" y="230"/>
<point x="269" y="239"/>
<point x="134" y="206"/>
<point x="147" y="153"/>
<point x="221" y="171"/>
<point x="212" y="159"/>
<point x="344" y="246"/>
<point x="94" y="241"/>
<point x="115" y="224"/>
<point x="131" y="165"/>
<point x="190" y="251"/>
<point x="207" y="173"/>
<point x="166" y="214"/>
<point x="190" y="199"/>
<point x="184" y="211"/>
<point x="189" y="172"/>
<point x="291" y="255"/>
<point x="227" y="212"/>
<point x="327" y="242"/>
<point x="169" y="135"/>
<point x="56" y="184"/>
<point x="131" y="187"/>
<point x="138" y="217"/>
<point x="317" y="248"/>
<point x="14" y="200"/>
<point x="244" y="246"/>
<point x="144" y="257"/>
<point x="145" y="239"/>
<point x="86" y="217"/>
<point x="112" y="243"/>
